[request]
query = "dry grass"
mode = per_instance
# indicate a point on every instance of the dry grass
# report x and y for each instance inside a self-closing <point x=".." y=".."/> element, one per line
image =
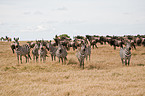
<point x="103" y="75"/>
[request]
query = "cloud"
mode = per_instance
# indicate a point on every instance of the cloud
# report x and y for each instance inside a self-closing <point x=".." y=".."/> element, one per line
<point x="38" y="13"/>
<point x="39" y="28"/>
<point x="27" y="13"/>
<point x="2" y="23"/>
<point x="62" y="8"/>
<point x="74" y="21"/>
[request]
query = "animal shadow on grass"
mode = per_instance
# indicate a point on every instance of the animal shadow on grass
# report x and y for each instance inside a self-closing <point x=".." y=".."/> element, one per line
<point x="140" y="64"/>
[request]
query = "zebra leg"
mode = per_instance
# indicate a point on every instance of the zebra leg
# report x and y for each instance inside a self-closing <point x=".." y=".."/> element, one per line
<point x="93" y="46"/>
<point x="89" y="57"/>
<point x="134" y="47"/>
<point x="125" y="61"/>
<point x="65" y="60"/>
<point x="52" y="57"/>
<point x="59" y="59"/>
<point x="86" y="57"/>
<point x="122" y="61"/>
<point x="62" y="60"/>
<point x="128" y="61"/>
<point x="114" y="47"/>
<point x="26" y="58"/>
<point x="96" y="46"/>
<point x="21" y="58"/>
<point x="44" y="58"/>
<point x="80" y="63"/>
<point x="18" y="58"/>
<point x="33" y="58"/>
<point x="40" y="58"/>
<point x="83" y="64"/>
<point x="36" y="58"/>
<point x="29" y="56"/>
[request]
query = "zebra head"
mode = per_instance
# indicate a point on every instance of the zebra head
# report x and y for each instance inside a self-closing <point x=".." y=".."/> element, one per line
<point x="60" y="47"/>
<point x="83" y="49"/>
<point x="16" y="39"/>
<point x="13" y="47"/>
<point x="128" y="46"/>
<point x="36" y="46"/>
<point x="17" y="46"/>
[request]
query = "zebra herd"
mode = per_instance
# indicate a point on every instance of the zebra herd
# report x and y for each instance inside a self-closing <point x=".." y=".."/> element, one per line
<point x="60" y="47"/>
<point x="5" y="39"/>
<point x="40" y="48"/>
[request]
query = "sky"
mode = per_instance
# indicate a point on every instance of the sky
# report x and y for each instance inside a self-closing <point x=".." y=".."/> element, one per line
<point x="43" y="19"/>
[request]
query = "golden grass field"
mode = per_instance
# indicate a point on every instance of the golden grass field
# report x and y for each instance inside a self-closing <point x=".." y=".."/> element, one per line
<point x="103" y="75"/>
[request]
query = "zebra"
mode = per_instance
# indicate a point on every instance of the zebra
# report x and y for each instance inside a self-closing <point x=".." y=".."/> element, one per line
<point x="88" y="52"/>
<point x="16" y="39"/>
<point x="125" y="54"/>
<point x="35" y="52"/>
<point x="81" y="54"/>
<point x="88" y="49"/>
<point x="23" y="50"/>
<point x="52" y="50"/>
<point x="61" y="53"/>
<point x="42" y="52"/>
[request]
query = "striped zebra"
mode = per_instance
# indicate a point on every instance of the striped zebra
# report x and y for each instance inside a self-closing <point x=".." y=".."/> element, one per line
<point x="88" y="49"/>
<point x="81" y="55"/>
<point x="42" y="52"/>
<point x="16" y="39"/>
<point x="35" y="52"/>
<point x="23" y="50"/>
<point x="88" y="52"/>
<point x="52" y="50"/>
<point x="61" y="53"/>
<point x="125" y="54"/>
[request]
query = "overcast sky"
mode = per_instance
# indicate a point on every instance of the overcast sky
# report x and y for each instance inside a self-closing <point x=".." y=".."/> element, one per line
<point x="37" y="19"/>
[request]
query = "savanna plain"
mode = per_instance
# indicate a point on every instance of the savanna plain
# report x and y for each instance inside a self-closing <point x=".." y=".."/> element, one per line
<point x="104" y="74"/>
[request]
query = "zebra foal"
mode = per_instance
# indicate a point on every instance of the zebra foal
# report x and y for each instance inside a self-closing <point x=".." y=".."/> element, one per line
<point x="125" y="54"/>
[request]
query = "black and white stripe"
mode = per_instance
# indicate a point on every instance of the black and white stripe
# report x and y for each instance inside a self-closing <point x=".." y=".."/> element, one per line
<point x="61" y="53"/>
<point x="52" y="50"/>
<point x="23" y="50"/>
<point x="81" y="55"/>
<point x="88" y="49"/>
<point x="43" y="52"/>
<point x="35" y="52"/>
<point x="125" y="54"/>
